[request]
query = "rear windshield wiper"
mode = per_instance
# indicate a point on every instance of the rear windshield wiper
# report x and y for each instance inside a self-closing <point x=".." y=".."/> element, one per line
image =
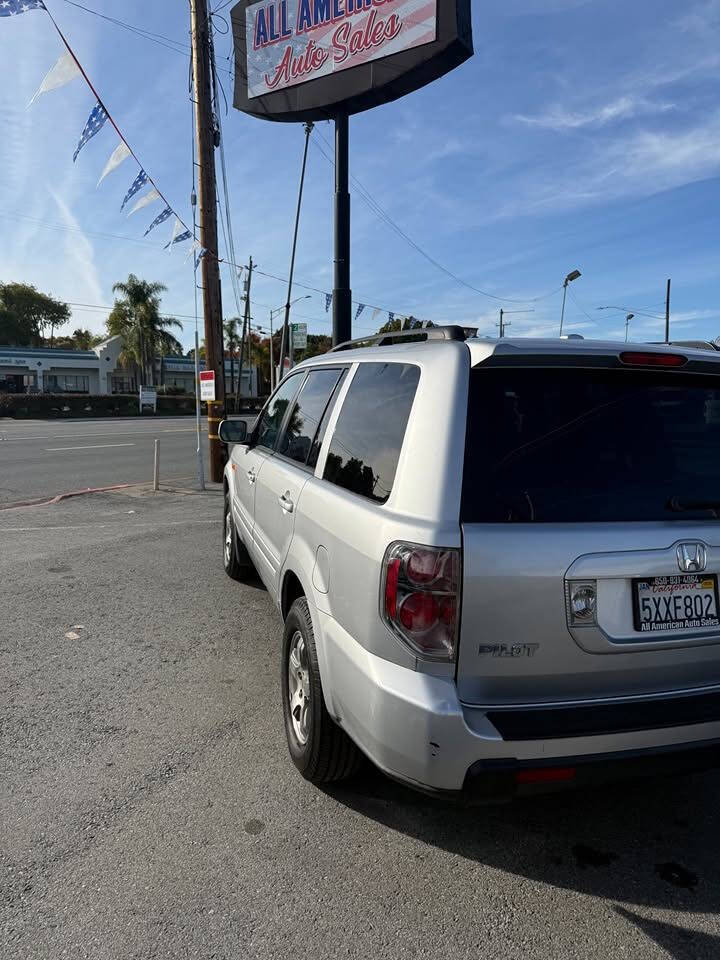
<point x="682" y="504"/>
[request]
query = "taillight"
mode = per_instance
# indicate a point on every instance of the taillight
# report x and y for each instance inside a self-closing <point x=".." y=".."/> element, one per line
<point x="637" y="359"/>
<point x="420" y="597"/>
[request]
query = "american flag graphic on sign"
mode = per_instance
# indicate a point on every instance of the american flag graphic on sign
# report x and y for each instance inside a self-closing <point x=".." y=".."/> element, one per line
<point x="293" y="41"/>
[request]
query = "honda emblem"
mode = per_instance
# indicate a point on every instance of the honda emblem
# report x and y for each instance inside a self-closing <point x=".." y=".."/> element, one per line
<point x="691" y="557"/>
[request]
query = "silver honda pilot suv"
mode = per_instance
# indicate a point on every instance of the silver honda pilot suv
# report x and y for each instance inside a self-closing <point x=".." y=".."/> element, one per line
<point x="496" y="561"/>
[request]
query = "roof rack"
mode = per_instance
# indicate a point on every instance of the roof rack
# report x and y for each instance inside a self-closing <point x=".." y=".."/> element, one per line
<point x="398" y="336"/>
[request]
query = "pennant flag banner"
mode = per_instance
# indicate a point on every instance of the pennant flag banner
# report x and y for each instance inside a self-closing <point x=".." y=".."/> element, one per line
<point x="120" y="153"/>
<point x="65" y="70"/>
<point x="195" y="245"/>
<point x="160" y="218"/>
<point x="95" y="122"/>
<point x="150" y="197"/>
<point x="178" y="237"/>
<point x="199" y="257"/>
<point x="328" y="301"/>
<point x="9" y="8"/>
<point x="391" y="316"/>
<point x="138" y="183"/>
<point x="360" y="309"/>
<point x="375" y="314"/>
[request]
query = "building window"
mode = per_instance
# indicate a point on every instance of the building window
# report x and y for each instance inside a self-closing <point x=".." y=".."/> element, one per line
<point x="123" y="385"/>
<point x="66" y="383"/>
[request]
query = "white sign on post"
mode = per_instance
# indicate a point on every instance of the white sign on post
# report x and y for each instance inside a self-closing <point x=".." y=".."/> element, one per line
<point x="207" y="385"/>
<point x="148" y="398"/>
<point x="299" y="336"/>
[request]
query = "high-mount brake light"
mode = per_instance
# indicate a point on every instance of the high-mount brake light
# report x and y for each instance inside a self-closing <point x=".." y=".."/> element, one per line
<point x="420" y="598"/>
<point x="636" y="359"/>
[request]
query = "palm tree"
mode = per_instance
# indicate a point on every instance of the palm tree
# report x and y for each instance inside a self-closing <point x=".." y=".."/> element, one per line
<point x="136" y="318"/>
<point x="231" y="342"/>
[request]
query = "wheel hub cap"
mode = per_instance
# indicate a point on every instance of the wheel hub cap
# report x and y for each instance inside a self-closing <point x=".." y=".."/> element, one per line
<point x="299" y="687"/>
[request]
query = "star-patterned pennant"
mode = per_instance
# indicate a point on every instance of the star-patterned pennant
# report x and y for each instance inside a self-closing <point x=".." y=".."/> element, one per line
<point x="10" y="8"/>
<point x="160" y="218"/>
<point x="138" y="183"/>
<point x="95" y="122"/>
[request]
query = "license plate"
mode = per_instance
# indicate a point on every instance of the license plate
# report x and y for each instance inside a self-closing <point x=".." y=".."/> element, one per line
<point x="675" y="603"/>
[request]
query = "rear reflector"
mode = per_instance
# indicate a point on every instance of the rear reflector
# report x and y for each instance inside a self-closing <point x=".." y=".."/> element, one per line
<point x="653" y="359"/>
<point x="546" y="775"/>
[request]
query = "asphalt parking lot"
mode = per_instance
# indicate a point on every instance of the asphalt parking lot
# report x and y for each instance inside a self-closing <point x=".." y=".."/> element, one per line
<point x="149" y="808"/>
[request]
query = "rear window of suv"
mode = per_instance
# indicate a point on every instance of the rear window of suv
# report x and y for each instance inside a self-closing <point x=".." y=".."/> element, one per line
<point x="563" y="446"/>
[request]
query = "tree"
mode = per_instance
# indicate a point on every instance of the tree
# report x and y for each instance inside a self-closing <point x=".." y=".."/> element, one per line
<point x="25" y="314"/>
<point x="232" y="340"/>
<point x="84" y="339"/>
<point x="400" y="323"/>
<point x="136" y="318"/>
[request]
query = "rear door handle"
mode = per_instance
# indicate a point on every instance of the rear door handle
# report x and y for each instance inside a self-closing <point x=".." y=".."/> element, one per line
<point x="251" y="475"/>
<point x="286" y="503"/>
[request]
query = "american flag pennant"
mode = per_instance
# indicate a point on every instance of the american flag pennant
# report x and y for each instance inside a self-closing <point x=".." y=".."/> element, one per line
<point x="160" y="218"/>
<point x="94" y="123"/>
<point x="328" y="301"/>
<point x="65" y="70"/>
<point x="138" y="183"/>
<point x="375" y="314"/>
<point x="199" y="257"/>
<point x="391" y="316"/>
<point x="178" y="237"/>
<point x="120" y="153"/>
<point x="361" y="307"/>
<point x="10" y="8"/>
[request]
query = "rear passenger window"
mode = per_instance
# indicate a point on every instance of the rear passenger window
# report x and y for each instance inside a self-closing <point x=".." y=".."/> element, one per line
<point x="369" y="433"/>
<point x="268" y="426"/>
<point x="306" y="415"/>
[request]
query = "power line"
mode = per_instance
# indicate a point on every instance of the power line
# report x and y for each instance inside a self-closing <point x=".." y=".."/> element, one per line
<point x="370" y="201"/>
<point x="139" y="31"/>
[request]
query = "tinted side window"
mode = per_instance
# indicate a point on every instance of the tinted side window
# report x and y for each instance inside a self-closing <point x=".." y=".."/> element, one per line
<point x="320" y="434"/>
<point x="302" y="426"/>
<point x="369" y="433"/>
<point x="268" y="426"/>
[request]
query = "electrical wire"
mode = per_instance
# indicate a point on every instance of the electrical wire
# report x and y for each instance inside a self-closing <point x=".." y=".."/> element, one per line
<point x="370" y="201"/>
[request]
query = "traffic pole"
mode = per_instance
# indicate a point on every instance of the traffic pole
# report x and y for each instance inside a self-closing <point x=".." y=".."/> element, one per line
<point x="207" y="220"/>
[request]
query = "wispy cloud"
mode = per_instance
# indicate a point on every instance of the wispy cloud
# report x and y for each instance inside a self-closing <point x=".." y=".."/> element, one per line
<point x="82" y="273"/>
<point x="559" y="118"/>
<point x="705" y="16"/>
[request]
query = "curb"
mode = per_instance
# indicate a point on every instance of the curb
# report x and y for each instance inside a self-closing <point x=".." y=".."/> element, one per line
<point x="65" y="496"/>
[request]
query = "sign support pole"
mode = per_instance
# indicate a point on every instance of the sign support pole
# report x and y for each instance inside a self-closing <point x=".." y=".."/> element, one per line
<point x="342" y="295"/>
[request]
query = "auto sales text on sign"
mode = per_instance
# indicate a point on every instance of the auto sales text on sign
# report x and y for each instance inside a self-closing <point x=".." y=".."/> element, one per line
<point x="291" y="41"/>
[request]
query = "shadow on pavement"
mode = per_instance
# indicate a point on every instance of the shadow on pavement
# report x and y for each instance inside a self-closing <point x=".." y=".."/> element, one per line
<point x="652" y="843"/>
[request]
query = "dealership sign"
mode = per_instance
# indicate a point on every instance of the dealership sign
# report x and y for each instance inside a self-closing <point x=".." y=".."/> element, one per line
<point x="307" y="59"/>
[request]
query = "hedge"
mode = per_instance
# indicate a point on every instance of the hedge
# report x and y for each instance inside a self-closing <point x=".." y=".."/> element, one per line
<point x="45" y="406"/>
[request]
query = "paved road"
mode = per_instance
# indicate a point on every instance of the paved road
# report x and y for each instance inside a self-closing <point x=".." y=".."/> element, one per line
<point x="42" y="458"/>
<point x="148" y="807"/>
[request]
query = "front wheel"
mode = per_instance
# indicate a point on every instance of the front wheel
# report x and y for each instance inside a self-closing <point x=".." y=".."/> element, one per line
<point x="235" y="561"/>
<point x="320" y="750"/>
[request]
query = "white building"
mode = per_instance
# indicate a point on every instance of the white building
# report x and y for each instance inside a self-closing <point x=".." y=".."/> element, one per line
<point x="40" y="369"/>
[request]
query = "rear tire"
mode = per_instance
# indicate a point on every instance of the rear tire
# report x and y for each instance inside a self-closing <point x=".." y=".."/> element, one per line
<point x="320" y="750"/>
<point x="236" y="559"/>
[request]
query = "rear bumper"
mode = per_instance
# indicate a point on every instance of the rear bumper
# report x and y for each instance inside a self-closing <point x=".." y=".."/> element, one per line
<point x="413" y="726"/>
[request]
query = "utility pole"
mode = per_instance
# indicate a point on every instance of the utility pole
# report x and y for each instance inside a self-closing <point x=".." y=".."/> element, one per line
<point x="667" y="314"/>
<point x="284" y="343"/>
<point x="504" y="324"/>
<point x="246" y="329"/>
<point x="207" y="219"/>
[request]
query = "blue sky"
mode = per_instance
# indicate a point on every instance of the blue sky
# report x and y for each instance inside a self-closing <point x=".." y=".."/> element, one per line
<point x="583" y="133"/>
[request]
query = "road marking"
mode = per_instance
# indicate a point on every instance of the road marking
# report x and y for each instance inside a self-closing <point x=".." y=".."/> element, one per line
<point x="97" y="446"/>
<point x="86" y="436"/>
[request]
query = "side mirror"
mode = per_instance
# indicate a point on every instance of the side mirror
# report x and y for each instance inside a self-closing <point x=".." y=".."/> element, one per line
<point x="233" y="431"/>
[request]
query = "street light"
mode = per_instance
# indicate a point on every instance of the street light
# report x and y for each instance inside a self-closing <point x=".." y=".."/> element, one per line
<point x="277" y="310"/>
<point x="628" y="318"/>
<point x="568" y="279"/>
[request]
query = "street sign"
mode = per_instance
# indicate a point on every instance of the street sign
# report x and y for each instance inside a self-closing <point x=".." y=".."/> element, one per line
<point x="148" y="398"/>
<point x="207" y="385"/>
<point x="299" y="60"/>
<point x="299" y="336"/>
